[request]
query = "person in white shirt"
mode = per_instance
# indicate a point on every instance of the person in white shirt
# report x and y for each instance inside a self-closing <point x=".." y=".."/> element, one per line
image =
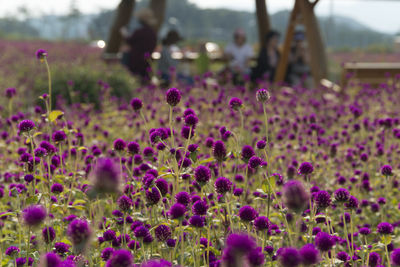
<point x="239" y="53"/>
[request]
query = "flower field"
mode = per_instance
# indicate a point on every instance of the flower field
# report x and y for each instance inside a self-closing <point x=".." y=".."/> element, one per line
<point x="206" y="175"/>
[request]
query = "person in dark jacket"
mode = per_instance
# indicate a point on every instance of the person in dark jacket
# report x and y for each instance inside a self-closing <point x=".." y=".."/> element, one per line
<point x="141" y="43"/>
<point x="268" y="58"/>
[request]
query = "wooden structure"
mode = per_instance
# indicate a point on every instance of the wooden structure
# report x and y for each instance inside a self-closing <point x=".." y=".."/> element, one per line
<point x="303" y="13"/>
<point x="373" y="73"/>
<point x="263" y="22"/>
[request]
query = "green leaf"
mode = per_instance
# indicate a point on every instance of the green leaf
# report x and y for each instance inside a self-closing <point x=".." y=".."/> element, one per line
<point x="55" y="114"/>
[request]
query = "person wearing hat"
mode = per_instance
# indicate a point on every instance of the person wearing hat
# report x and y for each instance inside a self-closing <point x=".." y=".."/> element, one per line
<point x="141" y="43"/>
<point x="239" y="53"/>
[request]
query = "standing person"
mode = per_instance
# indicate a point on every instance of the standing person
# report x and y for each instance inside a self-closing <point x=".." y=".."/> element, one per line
<point x="298" y="69"/>
<point x="141" y="44"/>
<point x="167" y="64"/>
<point x="268" y="58"/>
<point x="238" y="53"/>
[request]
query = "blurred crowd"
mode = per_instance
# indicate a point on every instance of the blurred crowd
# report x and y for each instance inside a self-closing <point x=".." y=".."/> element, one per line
<point x="239" y="58"/>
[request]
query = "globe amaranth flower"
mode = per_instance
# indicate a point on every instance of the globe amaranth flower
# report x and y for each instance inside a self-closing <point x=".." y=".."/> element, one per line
<point x="141" y="231"/>
<point x="11" y="92"/>
<point x="177" y="211"/>
<point x="34" y="215"/>
<point x="153" y="196"/>
<point x="247" y="213"/>
<point x="136" y="104"/>
<point x="263" y="95"/>
<point x="395" y="257"/>
<point x="109" y="235"/>
<point x="247" y="153"/>
<point x="61" y="248"/>
<point x="386" y="170"/>
<point x="124" y="203"/>
<point x="261" y="144"/>
<point x="324" y="241"/>
<point x="173" y="97"/>
<point x="341" y="195"/>
<point x="219" y="150"/>
<point x="240" y="243"/>
<point x="59" y="136"/>
<point x="202" y="174"/>
<point x="384" y="228"/>
<point x="235" y="103"/>
<point x="364" y="231"/>
<point x="352" y="203"/>
<point x="26" y="126"/>
<point x="162" y="232"/>
<point x="41" y="54"/>
<point x="374" y="259"/>
<point x="106" y="176"/>
<point x="256" y="257"/>
<point x="289" y="257"/>
<point x="343" y="256"/>
<point x="309" y="255"/>
<point x="261" y="223"/>
<point x="50" y="260"/>
<point x="106" y="253"/>
<point x="119" y="144"/>
<point x="254" y="162"/>
<point x="222" y="185"/>
<point x="197" y="221"/>
<point x="133" y="148"/>
<point x="48" y="234"/>
<point x="191" y="120"/>
<point x="200" y="207"/>
<point x="12" y="251"/>
<point x="322" y="199"/>
<point x="305" y="168"/>
<point x="79" y="233"/>
<point x="295" y="196"/>
<point x="57" y="188"/>
<point x="120" y="258"/>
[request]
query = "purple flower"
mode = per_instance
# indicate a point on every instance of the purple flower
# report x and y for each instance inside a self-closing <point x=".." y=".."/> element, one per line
<point x="177" y="211"/>
<point x="183" y="198"/>
<point x="133" y="148"/>
<point x="386" y="170"/>
<point x="50" y="260"/>
<point x="124" y="203"/>
<point x="109" y="235"/>
<point x="79" y="232"/>
<point x="240" y="243"/>
<point x="261" y="144"/>
<point x="305" y="168"/>
<point x="173" y="97"/>
<point x="324" y="241"/>
<point x="41" y="54"/>
<point x="222" y="185"/>
<point x="202" y="174"/>
<point x="141" y="232"/>
<point x="254" y="162"/>
<point x="309" y="255"/>
<point x="106" y="253"/>
<point x="26" y="126"/>
<point x="395" y="257"/>
<point x="10" y="92"/>
<point x="48" y="234"/>
<point x="219" y="150"/>
<point x="197" y="221"/>
<point x="120" y="258"/>
<point x="136" y="104"/>
<point x="200" y="207"/>
<point x="34" y="215"/>
<point x="374" y="259"/>
<point x="61" y="248"/>
<point x="384" y="228"/>
<point x="58" y="136"/>
<point x="12" y="251"/>
<point x="162" y="232"/>
<point x="289" y="257"/>
<point x="295" y="196"/>
<point x="247" y="213"/>
<point x="261" y="223"/>
<point x="153" y="196"/>
<point x="341" y="195"/>
<point x="247" y="153"/>
<point x="256" y="257"/>
<point x="322" y="199"/>
<point x="119" y="144"/>
<point x="106" y="176"/>
<point x="57" y="188"/>
<point x="352" y="203"/>
<point x="235" y="103"/>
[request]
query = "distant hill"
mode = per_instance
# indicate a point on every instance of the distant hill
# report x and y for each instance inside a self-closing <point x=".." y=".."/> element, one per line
<point x="196" y="24"/>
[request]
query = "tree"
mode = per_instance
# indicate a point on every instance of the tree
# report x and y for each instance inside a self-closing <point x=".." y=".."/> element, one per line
<point x="158" y="7"/>
<point x="122" y="17"/>
<point x="262" y="20"/>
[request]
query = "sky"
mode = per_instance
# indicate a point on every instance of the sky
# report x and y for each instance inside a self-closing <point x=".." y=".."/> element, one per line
<point x="381" y="15"/>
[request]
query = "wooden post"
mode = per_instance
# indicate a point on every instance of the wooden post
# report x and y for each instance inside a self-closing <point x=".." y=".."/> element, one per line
<point x="122" y="17"/>
<point x="316" y="48"/>
<point x="263" y="22"/>
<point x="158" y="7"/>
<point x="283" y="62"/>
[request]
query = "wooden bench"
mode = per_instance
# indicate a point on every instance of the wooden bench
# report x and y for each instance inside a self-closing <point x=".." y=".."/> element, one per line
<point x="373" y="73"/>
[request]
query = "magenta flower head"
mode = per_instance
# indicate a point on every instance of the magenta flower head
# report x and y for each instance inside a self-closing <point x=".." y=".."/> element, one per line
<point x="235" y="103"/>
<point x="256" y="257"/>
<point x="261" y="223"/>
<point x="106" y="176"/>
<point x="240" y="243"/>
<point x="384" y="228"/>
<point x="120" y="258"/>
<point x="26" y="126"/>
<point x="41" y="54"/>
<point x="51" y="260"/>
<point x="324" y="241"/>
<point x="352" y="203"/>
<point x="202" y="175"/>
<point x="247" y="213"/>
<point x="59" y="136"/>
<point x="309" y="255"/>
<point x="10" y="92"/>
<point x="48" y="234"/>
<point x="289" y="257"/>
<point x="386" y="170"/>
<point x="222" y="185"/>
<point x="322" y="199"/>
<point x="173" y="97"/>
<point x="79" y="233"/>
<point x="295" y="197"/>
<point x="305" y="168"/>
<point x="153" y="196"/>
<point x="263" y="95"/>
<point x="136" y="104"/>
<point x="162" y="232"/>
<point x="341" y="195"/>
<point x="395" y="257"/>
<point x="254" y="162"/>
<point x="119" y="144"/>
<point x="219" y="151"/>
<point x="124" y="203"/>
<point x="34" y="215"/>
<point x="177" y="211"/>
